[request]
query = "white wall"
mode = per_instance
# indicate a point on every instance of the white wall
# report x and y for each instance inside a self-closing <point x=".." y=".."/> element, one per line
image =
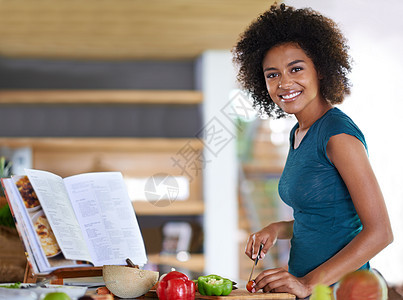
<point x="216" y="78"/>
<point x="374" y="30"/>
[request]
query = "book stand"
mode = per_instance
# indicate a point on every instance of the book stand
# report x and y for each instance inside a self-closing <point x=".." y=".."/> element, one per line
<point x="57" y="276"/>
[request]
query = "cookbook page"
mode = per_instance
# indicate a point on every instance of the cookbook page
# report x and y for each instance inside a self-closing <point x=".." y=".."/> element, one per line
<point x="26" y="231"/>
<point x="106" y="215"/>
<point x="59" y="212"/>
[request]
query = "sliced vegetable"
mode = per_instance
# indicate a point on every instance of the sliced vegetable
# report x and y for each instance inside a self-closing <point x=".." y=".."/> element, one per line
<point x="214" y="285"/>
<point x="16" y="285"/>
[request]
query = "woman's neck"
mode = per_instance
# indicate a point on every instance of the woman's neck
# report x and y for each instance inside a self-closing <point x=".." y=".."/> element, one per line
<point x="309" y="116"/>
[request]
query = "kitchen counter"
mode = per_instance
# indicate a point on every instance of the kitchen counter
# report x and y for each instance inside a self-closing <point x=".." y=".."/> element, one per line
<point x="243" y="294"/>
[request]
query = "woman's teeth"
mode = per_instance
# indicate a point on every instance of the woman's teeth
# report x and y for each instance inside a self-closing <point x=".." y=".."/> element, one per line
<point x="290" y="96"/>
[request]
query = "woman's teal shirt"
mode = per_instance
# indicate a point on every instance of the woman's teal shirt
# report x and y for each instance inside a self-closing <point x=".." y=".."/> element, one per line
<point x="325" y="219"/>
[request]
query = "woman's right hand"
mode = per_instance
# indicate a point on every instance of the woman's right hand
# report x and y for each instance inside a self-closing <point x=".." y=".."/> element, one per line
<point x="267" y="236"/>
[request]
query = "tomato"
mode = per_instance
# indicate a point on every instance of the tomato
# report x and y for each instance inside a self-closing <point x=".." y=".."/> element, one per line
<point x="250" y="285"/>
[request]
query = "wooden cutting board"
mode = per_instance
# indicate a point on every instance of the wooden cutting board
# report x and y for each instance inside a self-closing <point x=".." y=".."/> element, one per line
<point x="237" y="294"/>
<point x="244" y="294"/>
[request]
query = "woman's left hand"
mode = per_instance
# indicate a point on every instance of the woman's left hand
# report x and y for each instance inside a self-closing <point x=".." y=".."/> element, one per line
<point x="280" y="281"/>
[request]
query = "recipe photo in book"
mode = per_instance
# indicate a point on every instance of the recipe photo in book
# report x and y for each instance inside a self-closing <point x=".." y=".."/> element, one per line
<point x="75" y="220"/>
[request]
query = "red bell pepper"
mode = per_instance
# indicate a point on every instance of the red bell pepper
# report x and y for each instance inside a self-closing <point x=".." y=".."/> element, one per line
<point x="176" y="285"/>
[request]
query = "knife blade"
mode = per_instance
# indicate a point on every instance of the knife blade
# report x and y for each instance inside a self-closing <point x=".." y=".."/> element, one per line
<point x="255" y="262"/>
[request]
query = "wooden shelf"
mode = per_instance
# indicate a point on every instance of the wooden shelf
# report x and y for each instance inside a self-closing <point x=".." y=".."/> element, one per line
<point x="181" y="97"/>
<point x="176" y="208"/>
<point x="194" y="264"/>
<point x="133" y="157"/>
<point x="111" y="144"/>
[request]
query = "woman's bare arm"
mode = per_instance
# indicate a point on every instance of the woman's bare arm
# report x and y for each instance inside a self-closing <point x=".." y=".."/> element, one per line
<point x="348" y="155"/>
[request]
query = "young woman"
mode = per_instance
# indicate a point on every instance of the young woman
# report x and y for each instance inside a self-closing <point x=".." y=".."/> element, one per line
<point x="295" y="61"/>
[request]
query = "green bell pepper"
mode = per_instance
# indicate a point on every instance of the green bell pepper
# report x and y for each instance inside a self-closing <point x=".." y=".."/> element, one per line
<point x="214" y="285"/>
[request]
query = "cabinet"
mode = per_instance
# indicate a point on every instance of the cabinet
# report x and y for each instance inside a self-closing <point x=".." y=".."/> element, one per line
<point x="135" y="157"/>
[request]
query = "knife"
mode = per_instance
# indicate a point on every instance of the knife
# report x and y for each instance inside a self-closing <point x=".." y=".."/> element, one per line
<point x="256" y="260"/>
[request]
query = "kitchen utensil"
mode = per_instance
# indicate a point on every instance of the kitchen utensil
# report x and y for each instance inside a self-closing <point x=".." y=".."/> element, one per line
<point x="256" y="260"/>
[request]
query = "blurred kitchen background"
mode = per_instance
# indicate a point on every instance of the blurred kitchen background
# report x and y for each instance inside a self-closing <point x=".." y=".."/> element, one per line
<point x="148" y="88"/>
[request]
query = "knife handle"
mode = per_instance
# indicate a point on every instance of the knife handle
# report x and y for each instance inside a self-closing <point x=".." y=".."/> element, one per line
<point x="258" y="254"/>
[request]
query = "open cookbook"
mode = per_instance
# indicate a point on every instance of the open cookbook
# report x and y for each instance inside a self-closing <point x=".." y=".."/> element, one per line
<point x="82" y="220"/>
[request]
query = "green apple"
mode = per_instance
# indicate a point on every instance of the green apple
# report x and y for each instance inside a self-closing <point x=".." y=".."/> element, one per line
<point x="57" y="296"/>
<point x="321" y="292"/>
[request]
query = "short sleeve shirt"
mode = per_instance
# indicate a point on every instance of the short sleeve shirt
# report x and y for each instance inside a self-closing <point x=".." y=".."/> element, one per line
<point x="325" y="219"/>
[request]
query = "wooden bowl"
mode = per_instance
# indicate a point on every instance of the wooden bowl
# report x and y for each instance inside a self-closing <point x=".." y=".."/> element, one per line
<point x="128" y="282"/>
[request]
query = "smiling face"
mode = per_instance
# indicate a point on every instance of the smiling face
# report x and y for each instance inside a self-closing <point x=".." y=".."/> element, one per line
<point x="291" y="79"/>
